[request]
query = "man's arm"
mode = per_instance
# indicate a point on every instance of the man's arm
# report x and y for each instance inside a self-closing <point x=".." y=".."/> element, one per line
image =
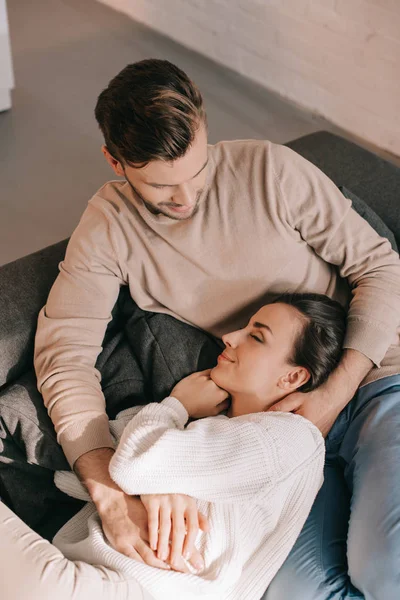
<point x="323" y="405"/>
<point x="352" y="369"/>
<point x="69" y="338"/>
<point x="326" y="222"/>
<point x="70" y="333"/>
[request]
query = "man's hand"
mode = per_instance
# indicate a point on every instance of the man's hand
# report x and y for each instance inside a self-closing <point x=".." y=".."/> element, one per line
<point x="176" y="513"/>
<point x="124" y="518"/>
<point x="316" y="406"/>
<point x="323" y="405"/>
<point x="200" y="395"/>
<point x="125" y="524"/>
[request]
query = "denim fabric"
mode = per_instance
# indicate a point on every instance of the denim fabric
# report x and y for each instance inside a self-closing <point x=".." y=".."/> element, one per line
<point x="140" y="363"/>
<point x="350" y="544"/>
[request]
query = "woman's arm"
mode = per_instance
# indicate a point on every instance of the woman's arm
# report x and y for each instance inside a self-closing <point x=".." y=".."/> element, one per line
<point x="214" y="459"/>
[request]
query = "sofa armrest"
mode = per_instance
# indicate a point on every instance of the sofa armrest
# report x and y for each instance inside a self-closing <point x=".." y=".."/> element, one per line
<point x="24" y="286"/>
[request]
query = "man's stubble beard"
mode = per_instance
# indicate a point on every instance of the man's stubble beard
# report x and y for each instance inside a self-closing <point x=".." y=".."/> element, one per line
<point x="157" y="210"/>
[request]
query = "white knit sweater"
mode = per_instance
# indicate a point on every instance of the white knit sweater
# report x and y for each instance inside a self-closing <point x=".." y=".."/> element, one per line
<point x="255" y="478"/>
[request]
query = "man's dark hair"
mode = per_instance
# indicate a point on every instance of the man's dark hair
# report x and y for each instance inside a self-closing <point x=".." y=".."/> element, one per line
<point x="149" y="111"/>
<point x="319" y="345"/>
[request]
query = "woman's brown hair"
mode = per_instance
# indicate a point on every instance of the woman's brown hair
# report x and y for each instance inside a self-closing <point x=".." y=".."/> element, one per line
<point x="319" y="346"/>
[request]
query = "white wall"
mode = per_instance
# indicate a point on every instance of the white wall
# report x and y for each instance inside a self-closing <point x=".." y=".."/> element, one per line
<point x="6" y="74"/>
<point x="338" y="58"/>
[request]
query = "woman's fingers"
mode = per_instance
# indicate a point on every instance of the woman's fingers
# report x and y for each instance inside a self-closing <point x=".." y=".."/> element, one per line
<point x="153" y="511"/>
<point x="195" y="520"/>
<point x="205" y="372"/>
<point x="192" y="530"/>
<point x="164" y="532"/>
<point x="173" y="524"/>
<point x="180" y="565"/>
<point x="203" y="522"/>
<point x="177" y="538"/>
<point x="147" y="555"/>
<point x="224" y="405"/>
<point x="131" y="552"/>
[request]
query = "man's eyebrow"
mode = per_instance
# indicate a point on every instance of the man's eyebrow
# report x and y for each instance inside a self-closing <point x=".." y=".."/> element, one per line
<point x="262" y="326"/>
<point x="172" y="185"/>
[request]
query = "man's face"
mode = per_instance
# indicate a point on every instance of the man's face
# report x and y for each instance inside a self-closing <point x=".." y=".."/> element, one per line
<point x="174" y="188"/>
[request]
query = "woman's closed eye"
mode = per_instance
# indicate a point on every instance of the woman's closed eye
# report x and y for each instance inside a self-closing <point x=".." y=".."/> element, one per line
<point x="255" y="337"/>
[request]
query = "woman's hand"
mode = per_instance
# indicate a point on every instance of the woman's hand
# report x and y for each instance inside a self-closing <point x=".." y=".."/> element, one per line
<point x="200" y="395"/>
<point x="175" y="517"/>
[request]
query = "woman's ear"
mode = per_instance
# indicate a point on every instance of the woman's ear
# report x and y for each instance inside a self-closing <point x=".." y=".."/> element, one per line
<point x="113" y="162"/>
<point x="294" y="379"/>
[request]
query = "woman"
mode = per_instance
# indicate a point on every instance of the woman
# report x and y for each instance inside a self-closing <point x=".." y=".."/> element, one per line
<point x="254" y="473"/>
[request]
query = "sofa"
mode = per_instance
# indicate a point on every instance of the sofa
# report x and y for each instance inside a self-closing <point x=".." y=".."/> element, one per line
<point x="371" y="182"/>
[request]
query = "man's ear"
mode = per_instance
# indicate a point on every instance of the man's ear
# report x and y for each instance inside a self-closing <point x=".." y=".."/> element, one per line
<point x="113" y="162"/>
<point x="294" y="379"/>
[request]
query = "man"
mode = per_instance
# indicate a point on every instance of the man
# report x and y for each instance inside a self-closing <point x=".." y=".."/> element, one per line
<point x="207" y="234"/>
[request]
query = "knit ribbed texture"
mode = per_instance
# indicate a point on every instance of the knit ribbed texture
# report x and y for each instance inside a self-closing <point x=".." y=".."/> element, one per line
<point x="254" y="476"/>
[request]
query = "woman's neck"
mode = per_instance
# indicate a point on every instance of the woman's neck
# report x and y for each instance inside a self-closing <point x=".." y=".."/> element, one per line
<point x="244" y="404"/>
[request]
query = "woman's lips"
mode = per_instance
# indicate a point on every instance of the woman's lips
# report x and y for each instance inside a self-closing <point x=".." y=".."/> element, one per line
<point x="224" y="358"/>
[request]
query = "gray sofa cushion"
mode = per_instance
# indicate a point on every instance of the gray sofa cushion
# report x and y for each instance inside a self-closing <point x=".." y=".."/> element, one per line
<point x="24" y="286"/>
<point x="370" y="216"/>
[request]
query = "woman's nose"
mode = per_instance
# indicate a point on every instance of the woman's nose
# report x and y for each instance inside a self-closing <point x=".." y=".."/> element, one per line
<point x="230" y="339"/>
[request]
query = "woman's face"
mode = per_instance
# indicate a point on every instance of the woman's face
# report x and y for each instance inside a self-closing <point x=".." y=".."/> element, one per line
<point x="253" y="367"/>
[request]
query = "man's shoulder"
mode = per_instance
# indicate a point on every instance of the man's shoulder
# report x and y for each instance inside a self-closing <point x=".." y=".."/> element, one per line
<point x="247" y="153"/>
<point x="101" y="215"/>
<point x="112" y="196"/>
<point x="237" y="147"/>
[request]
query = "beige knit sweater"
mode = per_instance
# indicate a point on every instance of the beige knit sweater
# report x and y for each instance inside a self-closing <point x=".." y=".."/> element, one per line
<point x="255" y="477"/>
<point x="269" y="222"/>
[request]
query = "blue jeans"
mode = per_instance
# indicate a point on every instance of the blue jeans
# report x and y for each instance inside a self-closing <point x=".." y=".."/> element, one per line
<point x="350" y="544"/>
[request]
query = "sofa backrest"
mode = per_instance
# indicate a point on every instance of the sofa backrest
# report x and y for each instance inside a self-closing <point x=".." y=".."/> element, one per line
<point x="373" y="179"/>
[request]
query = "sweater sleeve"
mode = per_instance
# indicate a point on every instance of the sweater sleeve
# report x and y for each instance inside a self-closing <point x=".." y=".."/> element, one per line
<point x="70" y="333"/>
<point x="327" y="222"/>
<point x="213" y="459"/>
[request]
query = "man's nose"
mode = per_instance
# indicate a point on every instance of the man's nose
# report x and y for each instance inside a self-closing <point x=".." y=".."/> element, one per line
<point x="185" y="195"/>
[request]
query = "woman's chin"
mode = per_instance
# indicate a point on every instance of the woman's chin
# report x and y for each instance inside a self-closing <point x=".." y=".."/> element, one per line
<point x="214" y="374"/>
<point x="218" y="378"/>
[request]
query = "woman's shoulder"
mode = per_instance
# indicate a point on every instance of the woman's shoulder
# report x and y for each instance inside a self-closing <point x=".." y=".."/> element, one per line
<point x="294" y="435"/>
